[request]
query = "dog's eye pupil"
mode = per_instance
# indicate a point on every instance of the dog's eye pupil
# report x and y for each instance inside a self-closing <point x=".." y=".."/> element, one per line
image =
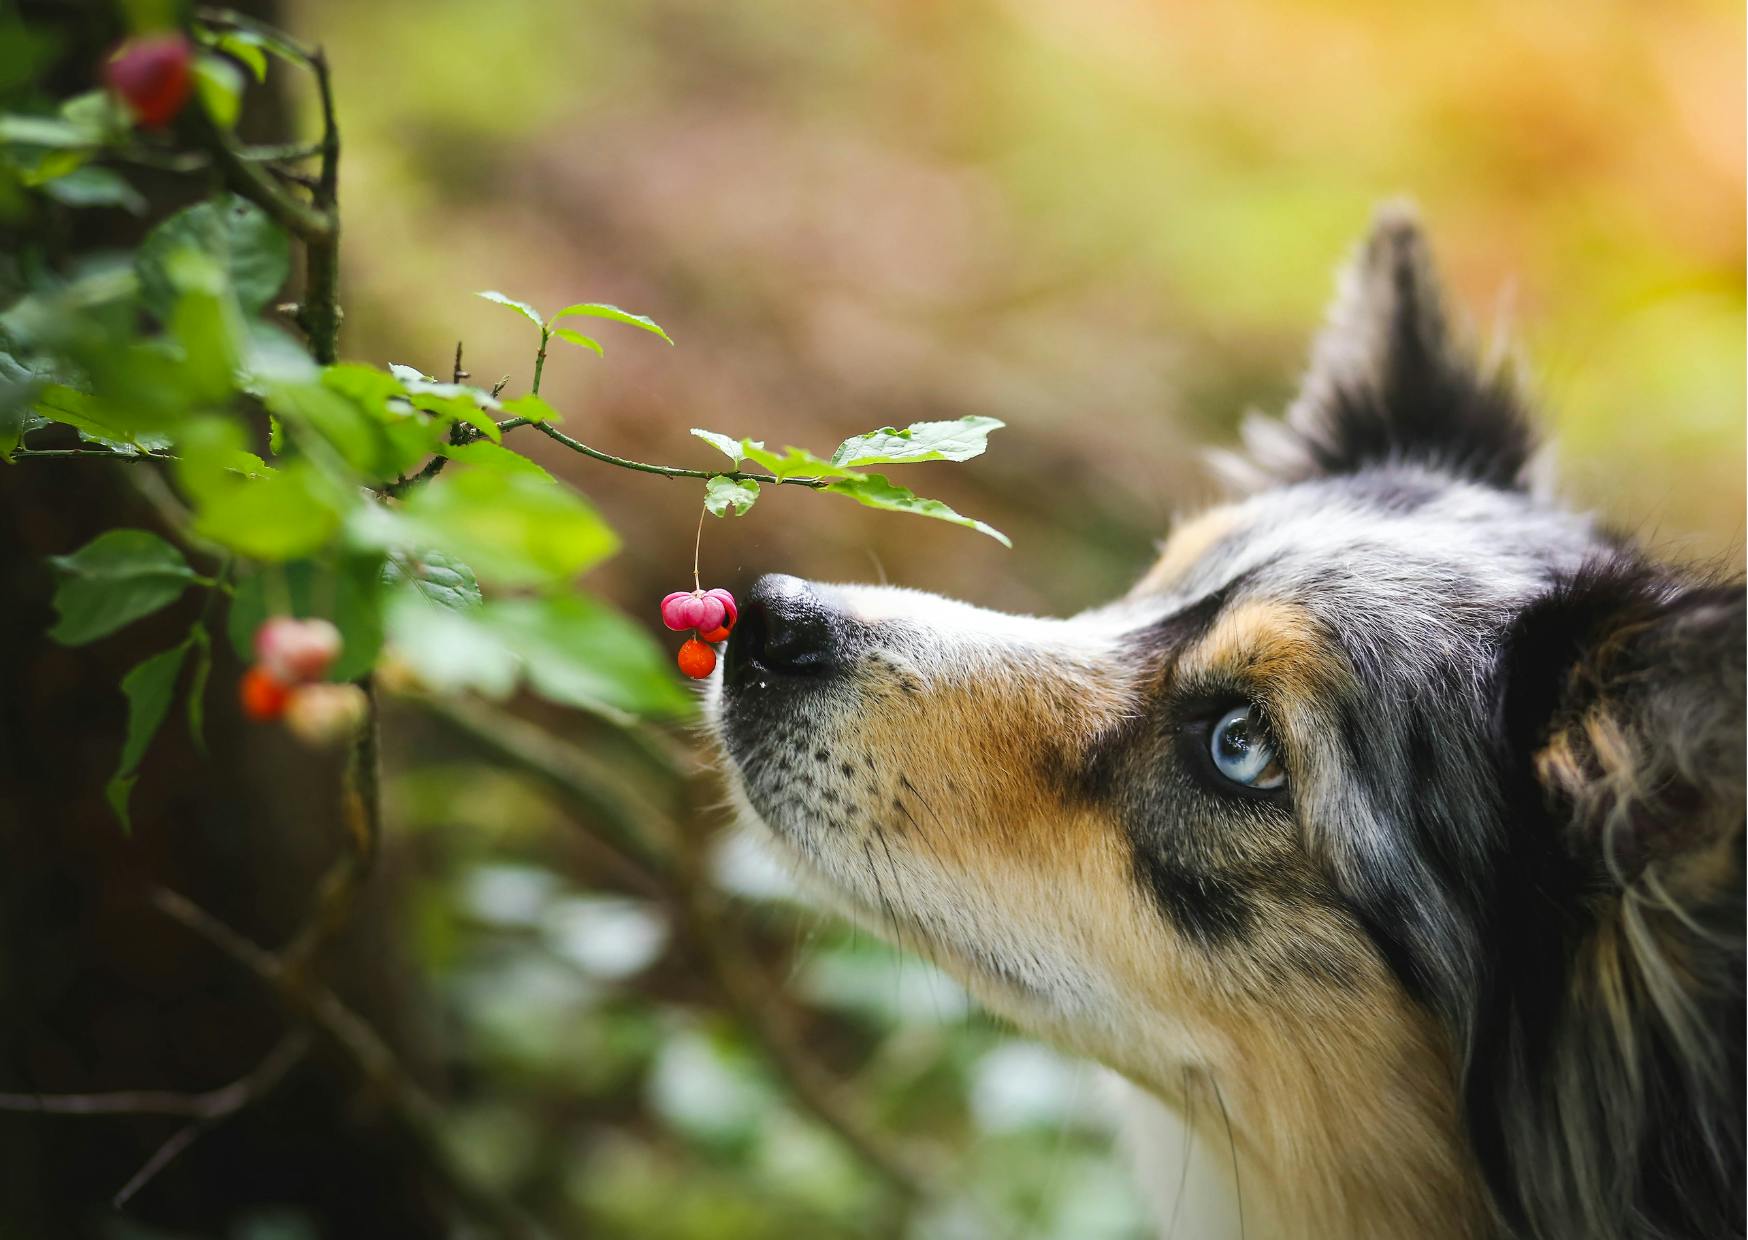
<point x="1243" y="752"/>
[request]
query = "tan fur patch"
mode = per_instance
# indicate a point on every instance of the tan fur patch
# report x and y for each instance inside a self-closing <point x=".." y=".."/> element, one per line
<point x="1278" y="646"/>
<point x="1187" y="544"/>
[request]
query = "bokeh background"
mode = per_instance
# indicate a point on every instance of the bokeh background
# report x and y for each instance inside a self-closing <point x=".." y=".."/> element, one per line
<point x="1112" y="224"/>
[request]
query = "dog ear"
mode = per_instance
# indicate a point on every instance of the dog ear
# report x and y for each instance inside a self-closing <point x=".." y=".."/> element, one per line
<point x="1625" y="706"/>
<point x="1388" y="383"/>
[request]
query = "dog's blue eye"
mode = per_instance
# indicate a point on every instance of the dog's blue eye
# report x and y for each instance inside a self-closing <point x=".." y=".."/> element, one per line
<point x="1243" y="752"/>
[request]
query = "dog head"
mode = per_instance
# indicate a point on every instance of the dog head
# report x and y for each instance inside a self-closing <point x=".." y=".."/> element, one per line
<point x="1344" y="809"/>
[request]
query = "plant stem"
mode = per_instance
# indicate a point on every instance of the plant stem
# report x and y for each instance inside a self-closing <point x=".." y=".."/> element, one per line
<point x="539" y="362"/>
<point x="669" y="471"/>
<point x="697" y="542"/>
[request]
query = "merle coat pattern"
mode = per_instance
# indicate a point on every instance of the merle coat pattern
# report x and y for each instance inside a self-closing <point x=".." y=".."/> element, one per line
<point x="1390" y="828"/>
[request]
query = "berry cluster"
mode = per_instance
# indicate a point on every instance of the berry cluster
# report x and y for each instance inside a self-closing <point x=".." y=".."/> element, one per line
<point x="711" y="613"/>
<point x="291" y="657"/>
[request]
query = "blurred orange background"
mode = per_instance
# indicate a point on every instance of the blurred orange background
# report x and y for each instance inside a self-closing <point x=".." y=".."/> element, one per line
<point x="1112" y="225"/>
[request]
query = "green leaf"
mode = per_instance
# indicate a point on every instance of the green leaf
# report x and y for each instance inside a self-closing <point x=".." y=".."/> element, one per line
<point x="436" y="577"/>
<point x="576" y="337"/>
<point x="456" y="402"/>
<point x="149" y="688"/>
<point x="95" y="422"/>
<point x="727" y="445"/>
<point x="527" y="311"/>
<point x="876" y="492"/>
<point x="532" y="408"/>
<point x="250" y="248"/>
<point x="793" y="462"/>
<point x="494" y="456"/>
<point x="920" y="441"/>
<point x="289" y="513"/>
<point x="113" y="580"/>
<point x="601" y="310"/>
<point x="514" y="528"/>
<point x="246" y="48"/>
<point x="448" y="648"/>
<point x="722" y="495"/>
<point x="46" y="131"/>
<point x="201" y="640"/>
<point x="219" y="85"/>
<point x="96" y="187"/>
<point x="347" y="591"/>
<point x="580" y="652"/>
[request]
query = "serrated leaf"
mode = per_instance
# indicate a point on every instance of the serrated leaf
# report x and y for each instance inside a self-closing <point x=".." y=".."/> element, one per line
<point x="408" y="374"/>
<point x="113" y="580"/>
<point x="528" y="311"/>
<point x="435" y="577"/>
<point x="792" y="462"/>
<point x="577" y="338"/>
<point x="149" y="688"/>
<point x="724" y="495"/>
<point x="601" y="310"/>
<point x="958" y="440"/>
<point x="876" y="492"/>
<point x="726" y="444"/>
<point x="249" y="247"/>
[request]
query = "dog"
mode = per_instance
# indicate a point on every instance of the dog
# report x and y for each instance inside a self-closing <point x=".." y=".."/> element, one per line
<point x="1389" y="830"/>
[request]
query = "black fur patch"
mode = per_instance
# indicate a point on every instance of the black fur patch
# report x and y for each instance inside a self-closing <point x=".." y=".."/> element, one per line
<point x="1209" y="909"/>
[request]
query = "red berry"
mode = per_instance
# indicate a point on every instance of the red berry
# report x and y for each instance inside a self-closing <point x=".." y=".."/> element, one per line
<point x="297" y="650"/>
<point x="151" y="75"/>
<point x="696" y="659"/>
<point x="264" y="695"/>
<point x="717" y="635"/>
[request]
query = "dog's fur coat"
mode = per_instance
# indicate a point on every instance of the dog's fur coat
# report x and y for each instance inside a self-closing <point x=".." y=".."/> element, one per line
<point x="1475" y="969"/>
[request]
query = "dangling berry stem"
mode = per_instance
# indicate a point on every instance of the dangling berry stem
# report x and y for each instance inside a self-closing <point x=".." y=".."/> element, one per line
<point x="697" y="542"/>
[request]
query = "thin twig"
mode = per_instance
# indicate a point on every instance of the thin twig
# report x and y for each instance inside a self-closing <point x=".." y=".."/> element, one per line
<point x="669" y="471"/>
<point x="95" y="454"/>
<point x="207" y="1104"/>
<point x="309" y="1002"/>
<point x="204" y="1111"/>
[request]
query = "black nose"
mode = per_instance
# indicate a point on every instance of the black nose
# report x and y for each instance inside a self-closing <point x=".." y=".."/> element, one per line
<point x="785" y="628"/>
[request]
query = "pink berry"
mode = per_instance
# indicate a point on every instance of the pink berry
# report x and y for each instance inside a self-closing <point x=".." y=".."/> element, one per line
<point x="710" y="613"/>
<point x="672" y="615"/>
<point x="294" y="651"/>
<point x="732" y="612"/>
